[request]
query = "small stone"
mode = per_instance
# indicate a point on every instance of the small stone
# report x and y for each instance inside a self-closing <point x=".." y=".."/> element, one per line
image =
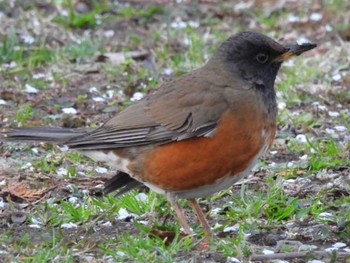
<point x="330" y="131"/>
<point x="322" y="108"/>
<point x="120" y="254"/>
<point x="60" y="172"/>
<point x="293" y="18"/>
<point x="301" y="138"/>
<point x="304" y="157"/>
<point x="182" y="230"/>
<point x="231" y="229"/>
<point x="303" y="40"/>
<point x="38" y="76"/>
<point x="98" y="99"/>
<point x="108" y="33"/>
<point x="93" y="90"/>
<point x="333" y="114"/>
<point x="281" y="105"/>
<point x="336" y="77"/>
<point x="268" y="252"/>
<point x="232" y="260"/>
<point x="272" y="164"/>
<point x="178" y="24"/>
<point x="340" y="128"/>
<point x="141" y="197"/>
<point x="242" y="5"/>
<point x="194" y="24"/>
<point x="123" y="214"/>
<point x="101" y="170"/>
<point x="69" y="111"/>
<point x="18" y="217"/>
<point x="187" y="41"/>
<point x="330" y="249"/>
<point x="73" y="199"/>
<point x="339" y="245"/>
<point x="168" y="71"/>
<point x="64" y="148"/>
<point x="217" y="225"/>
<point x="30" y="89"/>
<point x="35" y="150"/>
<point x="2" y="204"/>
<point x="28" y="39"/>
<point x="288" y="181"/>
<point x="107" y="224"/>
<point x="36" y="221"/>
<point x="137" y="96"/>
<point x="34" y="226"/>
<point x="326" y="216"/>
<point x="215" y="211"/>
<point x="316" y="16"/>
<point x="329" y="28"/>
<point x="305" y="247"/>
<point x="69" y="225"/>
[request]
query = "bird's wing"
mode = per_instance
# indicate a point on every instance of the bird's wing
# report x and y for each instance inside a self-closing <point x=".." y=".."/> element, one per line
<point x="184" y="108"/>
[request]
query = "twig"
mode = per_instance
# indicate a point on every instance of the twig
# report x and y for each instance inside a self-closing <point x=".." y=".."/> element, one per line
<point x="292" y="255"/>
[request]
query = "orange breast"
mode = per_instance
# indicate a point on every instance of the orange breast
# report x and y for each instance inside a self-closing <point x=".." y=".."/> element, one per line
<point x="196" y="162"/>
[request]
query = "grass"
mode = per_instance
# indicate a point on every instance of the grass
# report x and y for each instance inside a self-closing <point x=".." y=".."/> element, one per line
<point x="23" y="114"/>
<point x="254" y="208"/>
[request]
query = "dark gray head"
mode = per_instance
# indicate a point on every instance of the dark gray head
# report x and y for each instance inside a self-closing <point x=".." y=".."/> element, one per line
<point x="256" y="57"/>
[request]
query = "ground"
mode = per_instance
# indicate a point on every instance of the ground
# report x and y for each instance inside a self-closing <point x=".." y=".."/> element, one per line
<point x="77" y="63"/>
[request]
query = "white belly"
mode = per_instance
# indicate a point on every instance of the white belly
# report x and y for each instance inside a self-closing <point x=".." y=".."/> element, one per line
<point x="110" y="158"/>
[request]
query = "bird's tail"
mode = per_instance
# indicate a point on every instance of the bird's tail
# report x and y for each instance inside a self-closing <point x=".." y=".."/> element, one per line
<point x="41" y="134"/>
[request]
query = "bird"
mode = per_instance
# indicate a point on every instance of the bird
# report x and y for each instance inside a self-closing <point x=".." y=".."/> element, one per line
<point x="198" y="134"/>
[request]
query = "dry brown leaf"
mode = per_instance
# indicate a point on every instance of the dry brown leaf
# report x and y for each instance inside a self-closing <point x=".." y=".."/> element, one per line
<point x="21" y="190"/>
<point x="168" y="235"/>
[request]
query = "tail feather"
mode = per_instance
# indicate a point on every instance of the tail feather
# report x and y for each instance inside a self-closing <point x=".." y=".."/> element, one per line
<point x="122" y="182"/>
<point x="41" y="134"/>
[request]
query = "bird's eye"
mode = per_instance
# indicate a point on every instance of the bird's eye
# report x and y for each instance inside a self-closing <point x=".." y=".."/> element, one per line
<point x="262" y="58"/>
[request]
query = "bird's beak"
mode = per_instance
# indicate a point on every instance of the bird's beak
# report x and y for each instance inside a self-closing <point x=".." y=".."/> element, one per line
<point x="294" y="50"/>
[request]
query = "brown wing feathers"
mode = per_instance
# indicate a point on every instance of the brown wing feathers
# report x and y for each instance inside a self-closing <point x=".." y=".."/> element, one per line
<point x="157" y="119"/>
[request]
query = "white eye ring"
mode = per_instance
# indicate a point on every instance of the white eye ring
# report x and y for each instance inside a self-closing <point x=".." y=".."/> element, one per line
<point x="262" y="58"/>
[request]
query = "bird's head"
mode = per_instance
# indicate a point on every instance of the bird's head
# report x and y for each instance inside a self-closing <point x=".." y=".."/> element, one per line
<point x="257" y="58"/>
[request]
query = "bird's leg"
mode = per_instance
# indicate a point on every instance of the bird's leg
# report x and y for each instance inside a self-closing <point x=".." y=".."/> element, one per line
<point x="180" y="215"/>
<point x="202" y="219"/>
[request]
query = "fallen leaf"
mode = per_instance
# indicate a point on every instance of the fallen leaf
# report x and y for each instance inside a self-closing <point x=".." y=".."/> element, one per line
<point x="168" y="235"/>
<point x="21" y="190"/>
